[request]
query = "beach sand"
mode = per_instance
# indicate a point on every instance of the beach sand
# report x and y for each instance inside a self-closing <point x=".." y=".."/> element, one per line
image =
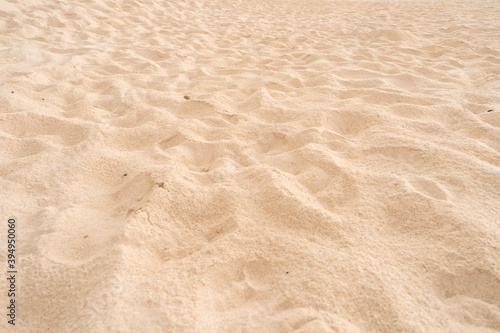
<point x="251" y="166"/>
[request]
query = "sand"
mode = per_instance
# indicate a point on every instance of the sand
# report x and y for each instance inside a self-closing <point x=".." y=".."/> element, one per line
<point x="251" y="166"/>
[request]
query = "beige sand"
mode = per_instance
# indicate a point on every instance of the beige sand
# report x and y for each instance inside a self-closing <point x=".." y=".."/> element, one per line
<point x="332" y="168"/>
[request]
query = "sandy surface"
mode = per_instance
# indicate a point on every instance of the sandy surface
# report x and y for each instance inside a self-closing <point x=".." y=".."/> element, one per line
<point x="252" y="166"/>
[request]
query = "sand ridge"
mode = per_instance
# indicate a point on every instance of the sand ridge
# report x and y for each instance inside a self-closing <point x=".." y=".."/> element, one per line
<point x="335" y="166"/>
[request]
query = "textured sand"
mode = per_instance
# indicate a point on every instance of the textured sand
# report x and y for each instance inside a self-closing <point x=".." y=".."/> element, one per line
<point x="252" y="166"/>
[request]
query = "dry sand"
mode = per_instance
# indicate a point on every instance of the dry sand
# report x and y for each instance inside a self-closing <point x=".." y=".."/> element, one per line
<point x="252" y="166"/>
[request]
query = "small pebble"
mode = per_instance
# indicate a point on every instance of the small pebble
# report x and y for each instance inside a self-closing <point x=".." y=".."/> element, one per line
<point x="187" y="97"/>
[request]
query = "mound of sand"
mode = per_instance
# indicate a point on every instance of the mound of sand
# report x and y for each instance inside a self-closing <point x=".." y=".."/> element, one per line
<point x="252" y="165"/>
